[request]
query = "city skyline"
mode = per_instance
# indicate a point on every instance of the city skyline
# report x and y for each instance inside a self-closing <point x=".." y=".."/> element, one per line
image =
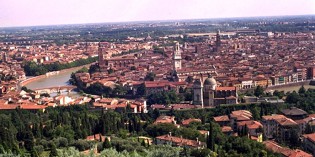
<point x="33" y="12"/>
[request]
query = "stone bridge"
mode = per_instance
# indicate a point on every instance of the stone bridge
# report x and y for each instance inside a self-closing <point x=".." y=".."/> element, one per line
<point x="55" y="89"/>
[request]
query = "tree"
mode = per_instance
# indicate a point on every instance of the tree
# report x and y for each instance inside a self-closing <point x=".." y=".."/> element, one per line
<point x="28" y="139"/>
<point x="141" y="90"/>
<point x="110" y="71"/>
<point x="83" y="70"/>
<point x="53" y="151"/>
<point x="160" y="129"/>
<point x="94" y="68"/>
<point x="106" y="143"/>
<point x="302" y="90"/>
<point x="259" y="91"/>
<point x="200" y="152"/>
<point x="210" y="140"/>
<point x="292" y="98"/>
<point x="278" y="94"/>
<point x="150" y="76"/>
<point x="189" y="79"/>
<point x="132" y="68"/>
<point x="143" y="143"/>
<point x="99" y="89"/>
<point x="119" y="90"/>
<point x="34" y="153"/>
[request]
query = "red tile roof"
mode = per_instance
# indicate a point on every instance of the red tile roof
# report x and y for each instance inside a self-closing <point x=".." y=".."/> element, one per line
<point x="273" y="117"/>
<point x="241" y="115"/>
<point x="225" y="88"/>
<point x="275" y="147"/>
<point x="8" y="107"/>
<point x="165" y="119"/>
<point x="250" y="124"/>
<point x="286" y="122"/>
<point x="181" y="141"/>
<point x="311" y="137"/>
<point x="223" y="118"/>
<point x="226" y="129"/>
<point x="22" y="106"/>
<point x="188" y="121"/>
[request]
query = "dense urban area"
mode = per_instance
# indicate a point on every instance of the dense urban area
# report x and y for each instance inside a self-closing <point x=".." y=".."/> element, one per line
<point x="211" y="87"/>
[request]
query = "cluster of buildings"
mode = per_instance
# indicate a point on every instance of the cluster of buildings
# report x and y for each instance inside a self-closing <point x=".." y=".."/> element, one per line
<point x="285" y="151"/>
<point x="270" y="130"/>
<point x="178" y="141"/>
<point x="292" y="123"/>
<point x="237" y="61"/>
<point x="10" y="75"/>
<point x="133" y="106"/>
<point x="243" y="61"/>
<point x="37" y="102"/>
<point x="47" y="53"/>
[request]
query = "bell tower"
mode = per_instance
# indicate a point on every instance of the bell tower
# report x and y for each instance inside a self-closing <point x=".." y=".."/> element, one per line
<point x="101" y="61"/>
<point x="198" y="92"/>
<point x="218" y="41"/>
<point x="177" y="58"/>
<point x="100" y="54"/>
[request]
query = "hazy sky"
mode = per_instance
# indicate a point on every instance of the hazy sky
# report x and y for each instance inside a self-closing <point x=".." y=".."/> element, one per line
<point x="45" y="12"/>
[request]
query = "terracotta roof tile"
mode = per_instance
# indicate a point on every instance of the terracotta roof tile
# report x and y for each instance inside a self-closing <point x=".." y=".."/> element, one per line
<point x="188" y="121"/>
<point x="223" y="118"/>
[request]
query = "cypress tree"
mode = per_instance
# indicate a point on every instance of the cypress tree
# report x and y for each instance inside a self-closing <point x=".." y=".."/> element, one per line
<point x="130" y="127"/>
<point x="28" y="140"/>
<point x="106" y="143"/>
<point x="143" y="143"/>
<point x="53" y="151"/>
<point x="210" y="140"/>
<point x="245" y="130"/>
<point x="100" y="137"/>
<point x="34" y="153"/>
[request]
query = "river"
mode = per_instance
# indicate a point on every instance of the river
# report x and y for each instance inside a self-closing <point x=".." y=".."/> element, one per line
<point x="60" y="79"/>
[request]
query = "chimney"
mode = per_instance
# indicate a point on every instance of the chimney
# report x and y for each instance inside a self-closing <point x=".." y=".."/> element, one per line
<point x="197" y="140"/>
<point x="170" y="134"/>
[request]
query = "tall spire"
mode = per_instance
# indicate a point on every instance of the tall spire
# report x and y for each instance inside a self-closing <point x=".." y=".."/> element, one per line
<point x="100" y="54"/>
<point x="218" y="39"/>
<point x="177" y="58"/>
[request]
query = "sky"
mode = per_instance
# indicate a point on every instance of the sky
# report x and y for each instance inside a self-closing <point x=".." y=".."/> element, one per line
<point x="50" y="12"/>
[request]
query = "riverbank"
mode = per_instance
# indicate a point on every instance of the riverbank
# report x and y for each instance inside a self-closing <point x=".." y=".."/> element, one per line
<point x="41" y="77"/>
<point x="291" y="86"/>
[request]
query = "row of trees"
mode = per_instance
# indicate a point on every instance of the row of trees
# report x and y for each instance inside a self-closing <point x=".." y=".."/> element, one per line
<point x="33" y="69"/>
<point x="303" y="99"/>
<point x="25" y="132"/>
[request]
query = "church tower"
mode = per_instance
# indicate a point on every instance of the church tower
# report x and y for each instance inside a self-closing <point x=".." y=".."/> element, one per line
<point x="177" y="58"/>
<point x="198" y="92"/>
<point x="218" y="41"/>
<point x="100" y="54"/>
<point x="4" y="57"/>
<point x="101" y="62"/>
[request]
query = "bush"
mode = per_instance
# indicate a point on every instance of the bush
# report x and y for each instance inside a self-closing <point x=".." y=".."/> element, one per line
<point x="39" y="149"/>
<point x="61" y="142"/>
<point x="81" y="145"/>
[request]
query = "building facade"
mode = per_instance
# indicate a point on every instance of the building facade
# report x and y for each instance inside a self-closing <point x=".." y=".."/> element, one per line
<point x="207" y="94"/>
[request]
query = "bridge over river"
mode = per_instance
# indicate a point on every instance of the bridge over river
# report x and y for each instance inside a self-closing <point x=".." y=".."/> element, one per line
<point x="59" y="89"/>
